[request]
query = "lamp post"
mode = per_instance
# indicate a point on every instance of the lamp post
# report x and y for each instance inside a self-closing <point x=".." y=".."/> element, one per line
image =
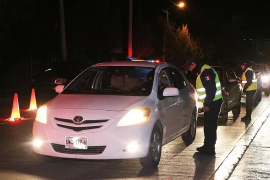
<point x="180" y="5"/>
<point x="63" y="34"/>
<point x="130" y="29"/>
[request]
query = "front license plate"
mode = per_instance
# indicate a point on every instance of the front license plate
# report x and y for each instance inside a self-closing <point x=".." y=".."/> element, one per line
<point x="76" y="142"/>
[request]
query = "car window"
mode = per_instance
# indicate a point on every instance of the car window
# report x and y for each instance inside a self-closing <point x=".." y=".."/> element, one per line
<point x="219" y="71"/>
<point x="118" y="80"/>
<point x="230" y="73"/>
<point x="178" y="79"/>
<point x="163" y="79"/>
<point x="163" y="82"/>
<point x="191" y="77"/>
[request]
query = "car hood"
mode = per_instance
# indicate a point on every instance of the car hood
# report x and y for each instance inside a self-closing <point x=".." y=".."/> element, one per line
<point x="97" y="102"/>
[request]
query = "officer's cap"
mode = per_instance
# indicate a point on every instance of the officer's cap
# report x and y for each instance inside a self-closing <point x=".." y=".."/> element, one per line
<point x="191" y="61"/>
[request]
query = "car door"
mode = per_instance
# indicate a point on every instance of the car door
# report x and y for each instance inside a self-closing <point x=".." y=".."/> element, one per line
<point x="172" y="108"/>
<point x="180" y="83"/>
<point x="232" y="87"/>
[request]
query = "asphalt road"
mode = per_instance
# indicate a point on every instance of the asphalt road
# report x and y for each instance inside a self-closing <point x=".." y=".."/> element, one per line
<point x="18" y="161"/>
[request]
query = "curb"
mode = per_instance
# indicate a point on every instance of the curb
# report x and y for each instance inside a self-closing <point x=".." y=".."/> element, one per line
<point x="225" y="170"/>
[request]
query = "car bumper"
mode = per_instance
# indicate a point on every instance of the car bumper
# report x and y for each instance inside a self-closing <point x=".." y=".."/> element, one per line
<point x="114" y="139"/>
<point x="200" y="107"/>
<point x="265" y="85"/>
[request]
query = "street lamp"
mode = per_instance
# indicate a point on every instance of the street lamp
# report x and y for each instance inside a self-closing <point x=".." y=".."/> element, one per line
<point x="130" y="29"/>
<point x="180" y="5"/>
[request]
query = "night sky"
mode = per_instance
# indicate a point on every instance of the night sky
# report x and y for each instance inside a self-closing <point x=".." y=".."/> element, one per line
<point x="203" y="17"/>
<point x="207" y="19"/>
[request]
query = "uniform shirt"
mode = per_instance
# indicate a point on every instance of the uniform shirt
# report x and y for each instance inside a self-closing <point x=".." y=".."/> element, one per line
<point x="208" y="80"/>
<point x="249" y="77"/>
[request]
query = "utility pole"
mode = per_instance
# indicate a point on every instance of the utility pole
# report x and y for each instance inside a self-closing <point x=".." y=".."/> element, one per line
<point x="63" y="34"/>
<point x="130" y="29"/>
<point x="164" y="41"/>
<point x="180" y="5"/>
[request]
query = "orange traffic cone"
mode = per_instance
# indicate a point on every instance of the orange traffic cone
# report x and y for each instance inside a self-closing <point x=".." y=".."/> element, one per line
<point x="15" y="115"/>
<point x="33" y="103"/>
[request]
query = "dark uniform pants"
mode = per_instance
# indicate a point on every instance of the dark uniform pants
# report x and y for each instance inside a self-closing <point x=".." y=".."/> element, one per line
<point x="249" y="102"/>
<point x="211" y="123"/>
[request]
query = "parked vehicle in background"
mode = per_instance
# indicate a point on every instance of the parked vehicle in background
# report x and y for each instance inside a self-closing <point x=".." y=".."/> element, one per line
<point x="231" y="90"/>
<point x="61" y="72"/>
<point x="263" y="78"/>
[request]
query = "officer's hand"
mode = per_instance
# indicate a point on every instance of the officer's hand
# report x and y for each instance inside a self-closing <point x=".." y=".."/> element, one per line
<point x="205" y="109"/>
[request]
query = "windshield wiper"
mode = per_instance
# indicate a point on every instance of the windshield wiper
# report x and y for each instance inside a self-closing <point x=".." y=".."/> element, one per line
<point x="74" y="91"/>
<point x="111" y="91"/>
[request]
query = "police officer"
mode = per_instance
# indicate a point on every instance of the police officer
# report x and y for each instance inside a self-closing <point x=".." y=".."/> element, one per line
<point x="249" y="84"/>
<point x="209" y="92"/>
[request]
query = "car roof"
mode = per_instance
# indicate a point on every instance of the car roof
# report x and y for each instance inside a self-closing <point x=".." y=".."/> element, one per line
<point x="129" y="63"/>
<point x="216" y="65"/>
<point x="261" y="64"/>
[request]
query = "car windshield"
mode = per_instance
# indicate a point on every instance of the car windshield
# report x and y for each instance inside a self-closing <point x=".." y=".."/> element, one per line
<point x="113" y="80"/>
<point x="259" y="68"/>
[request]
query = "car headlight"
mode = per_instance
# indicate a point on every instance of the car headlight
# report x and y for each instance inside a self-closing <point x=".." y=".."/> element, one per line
<point x="135" y="116"/>
<point x="265" y="78"/>
<point x="42" y="114"/>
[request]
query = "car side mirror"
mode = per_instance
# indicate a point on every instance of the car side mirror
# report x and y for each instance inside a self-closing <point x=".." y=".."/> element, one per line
<point x="59" y="88"/>
<point x="60" y="81"/>
<point x="170" y="91"/>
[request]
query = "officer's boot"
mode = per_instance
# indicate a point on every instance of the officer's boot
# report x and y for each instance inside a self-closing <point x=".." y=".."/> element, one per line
<point x="209" y="151"/>
<point x="200" y="149"/>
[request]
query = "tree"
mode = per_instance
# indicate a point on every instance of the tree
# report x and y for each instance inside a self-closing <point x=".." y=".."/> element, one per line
<point x="181" y="46"/>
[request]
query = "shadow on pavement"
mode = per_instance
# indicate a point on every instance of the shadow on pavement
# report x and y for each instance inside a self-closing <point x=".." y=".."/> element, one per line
<point x="147" y="172"/>
<point x="204" y="165"/>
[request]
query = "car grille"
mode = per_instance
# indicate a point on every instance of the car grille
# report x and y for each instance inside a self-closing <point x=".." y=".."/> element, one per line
<point x="84" y="122"/>
<point x="78" y="128"/>
<point x="91" y="150"/>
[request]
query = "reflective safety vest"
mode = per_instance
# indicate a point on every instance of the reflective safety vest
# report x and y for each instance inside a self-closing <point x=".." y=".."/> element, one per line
<point x="201" y="90"/>
<point x="253" y="85"/>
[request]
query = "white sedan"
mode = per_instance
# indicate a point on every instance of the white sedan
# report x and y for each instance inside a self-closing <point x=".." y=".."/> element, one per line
<point x="118" y="110"/>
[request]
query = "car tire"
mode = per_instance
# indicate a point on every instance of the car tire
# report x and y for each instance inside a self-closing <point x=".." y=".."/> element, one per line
<point x="154" y="152"/>
<point x="189" y="136"/>
<point x="224" y="112"/>
<point x="258" y="96"/>
<point x="266" y="92"/>
<point x="237" y="109"/>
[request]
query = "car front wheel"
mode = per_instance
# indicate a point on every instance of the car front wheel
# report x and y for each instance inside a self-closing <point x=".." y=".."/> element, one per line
<point x="258" y="96"/>
<point x="237" y="109"/>
<point x="224" y="112"/>
<point x="154" y="153"/>
<point x="190" y="135"/>
<point x="266" y="92"/>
